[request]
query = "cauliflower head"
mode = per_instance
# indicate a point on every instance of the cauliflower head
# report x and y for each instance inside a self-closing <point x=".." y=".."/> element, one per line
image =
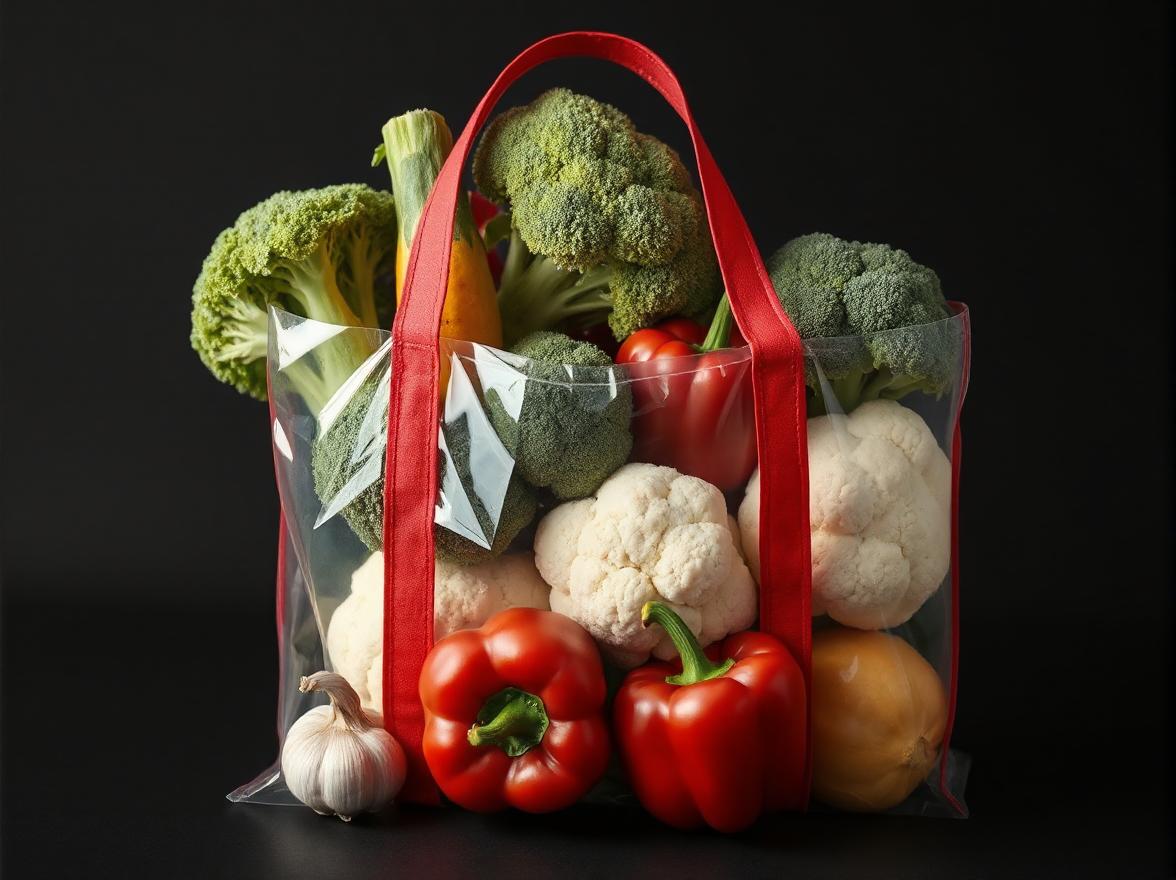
<point x="879" y="511"/>
<point x="464" y="596"/>
<point x="649" y="533"/>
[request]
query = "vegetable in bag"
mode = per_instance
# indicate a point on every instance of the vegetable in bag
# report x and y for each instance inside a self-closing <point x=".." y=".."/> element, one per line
<point x="879" y="511"/>
<point x="717" y="738"/>
<point x="833" y="288"/>
<point x="650" y="533"/>
<point x="879" y="712"/>
<point x="464" y="596"/>
<point x="514" y="713"/>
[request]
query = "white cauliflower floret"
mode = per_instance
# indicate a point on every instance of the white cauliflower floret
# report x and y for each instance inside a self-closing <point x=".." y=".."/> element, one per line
<point x="355" y="636"/>
<point x="879" y="511"/>
<point x="463" y="597"/>
<point x="650" y="533"/>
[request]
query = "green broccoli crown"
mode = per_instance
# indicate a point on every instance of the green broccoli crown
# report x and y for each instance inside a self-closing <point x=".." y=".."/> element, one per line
<point x="326" y="254"/>
<point x="342" y="461"/>
<point x="640" y="293"/>
<point x="889" y="309"/>
<point x="586" y="189"/>
<point x="517" y="511"/>
<point x="572" y="430"/>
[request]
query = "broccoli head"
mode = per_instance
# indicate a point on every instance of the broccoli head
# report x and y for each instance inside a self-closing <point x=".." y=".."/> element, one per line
<point x="326" y="254"/>
<point x="571" y="430"/>
<point x="876" y="318"/>
<point x="517" y="510"/>
<point x="605" y="219"/>
<point x="347" y="464"/>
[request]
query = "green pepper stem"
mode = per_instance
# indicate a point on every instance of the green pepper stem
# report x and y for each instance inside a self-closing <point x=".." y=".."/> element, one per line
<point x="513" y="720"/>
<point x="719" y="334"/>
<point x="696" y="666"/>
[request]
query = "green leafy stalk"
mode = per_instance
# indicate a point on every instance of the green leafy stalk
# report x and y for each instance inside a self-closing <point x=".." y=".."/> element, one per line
<point x="719" y="334"/>
<point x="535" y="294"/>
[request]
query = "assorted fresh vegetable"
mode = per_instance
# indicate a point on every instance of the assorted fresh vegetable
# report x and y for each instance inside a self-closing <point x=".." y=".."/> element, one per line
<point x="710" y="738"/>
<point x="596" y="437"/>
<point x="879" y="712"/>
<point x="514" y="713"/>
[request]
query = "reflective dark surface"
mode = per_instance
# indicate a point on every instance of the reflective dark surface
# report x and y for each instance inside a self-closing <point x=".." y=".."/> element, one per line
<point x="125" y="727"/>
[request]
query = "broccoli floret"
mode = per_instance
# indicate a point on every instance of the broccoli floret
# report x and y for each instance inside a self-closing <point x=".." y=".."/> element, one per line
<point x="348" y="456"/>
<point x="518" y="504"/>
<point x="876" y="319"/>
<point x="572" y="428"/>
<point x="605" y="220"/>
<point x="326" y="254"/>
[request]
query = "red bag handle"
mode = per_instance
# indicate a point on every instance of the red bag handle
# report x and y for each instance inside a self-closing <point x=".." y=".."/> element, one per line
<point x="411" y="465"/>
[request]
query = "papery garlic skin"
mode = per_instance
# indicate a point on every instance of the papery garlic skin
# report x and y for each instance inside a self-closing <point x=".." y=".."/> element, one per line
<point x="338" y="759"/>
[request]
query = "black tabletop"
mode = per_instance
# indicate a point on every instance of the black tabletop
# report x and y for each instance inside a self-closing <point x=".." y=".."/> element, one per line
<point x="124" y="727"/>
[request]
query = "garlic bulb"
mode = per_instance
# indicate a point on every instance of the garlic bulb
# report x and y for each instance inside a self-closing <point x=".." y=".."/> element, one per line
<point x="338" y="759"/>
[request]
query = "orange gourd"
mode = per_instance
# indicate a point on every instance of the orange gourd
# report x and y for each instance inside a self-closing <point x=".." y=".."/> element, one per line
<point x="879" y="711"/>
<point x="415" y="147"/>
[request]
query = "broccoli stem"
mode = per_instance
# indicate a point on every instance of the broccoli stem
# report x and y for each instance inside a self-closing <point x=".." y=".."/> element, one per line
<point x="313" y="285"/>
<point x="363" y="261"/>
<point x="247" y="333"/>
<point x="858" y="387"/>
<point x="893" y="387"/>
<point x="535" y="294"/>
<point x="318" y="374"/>
<point x="517" y="259"/>
<point x="338" y="360"/>
<point x="847" y="392"/>
<point x="877" y="384"/>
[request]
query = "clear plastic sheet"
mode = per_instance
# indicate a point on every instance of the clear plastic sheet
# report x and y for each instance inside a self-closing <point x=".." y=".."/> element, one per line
<point x="519" y="439"/>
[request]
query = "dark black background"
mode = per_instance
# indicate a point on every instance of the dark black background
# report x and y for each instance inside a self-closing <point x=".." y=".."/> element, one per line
<point x="1022" y="150"/>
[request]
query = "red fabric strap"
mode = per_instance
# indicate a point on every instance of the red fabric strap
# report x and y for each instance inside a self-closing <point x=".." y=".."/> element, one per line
<point x="411" y="466"/>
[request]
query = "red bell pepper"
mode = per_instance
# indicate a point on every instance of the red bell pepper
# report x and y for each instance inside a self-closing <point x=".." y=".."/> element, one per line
<point x="513" y="713"/>
<point x="695" y="415"/>
<point x="484" y="211"/>
<point x="723" y="739"/>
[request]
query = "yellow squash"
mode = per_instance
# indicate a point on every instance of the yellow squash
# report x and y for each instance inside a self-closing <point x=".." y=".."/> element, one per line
<point x="415" y="147"/>
<point x="878" y="715"/>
